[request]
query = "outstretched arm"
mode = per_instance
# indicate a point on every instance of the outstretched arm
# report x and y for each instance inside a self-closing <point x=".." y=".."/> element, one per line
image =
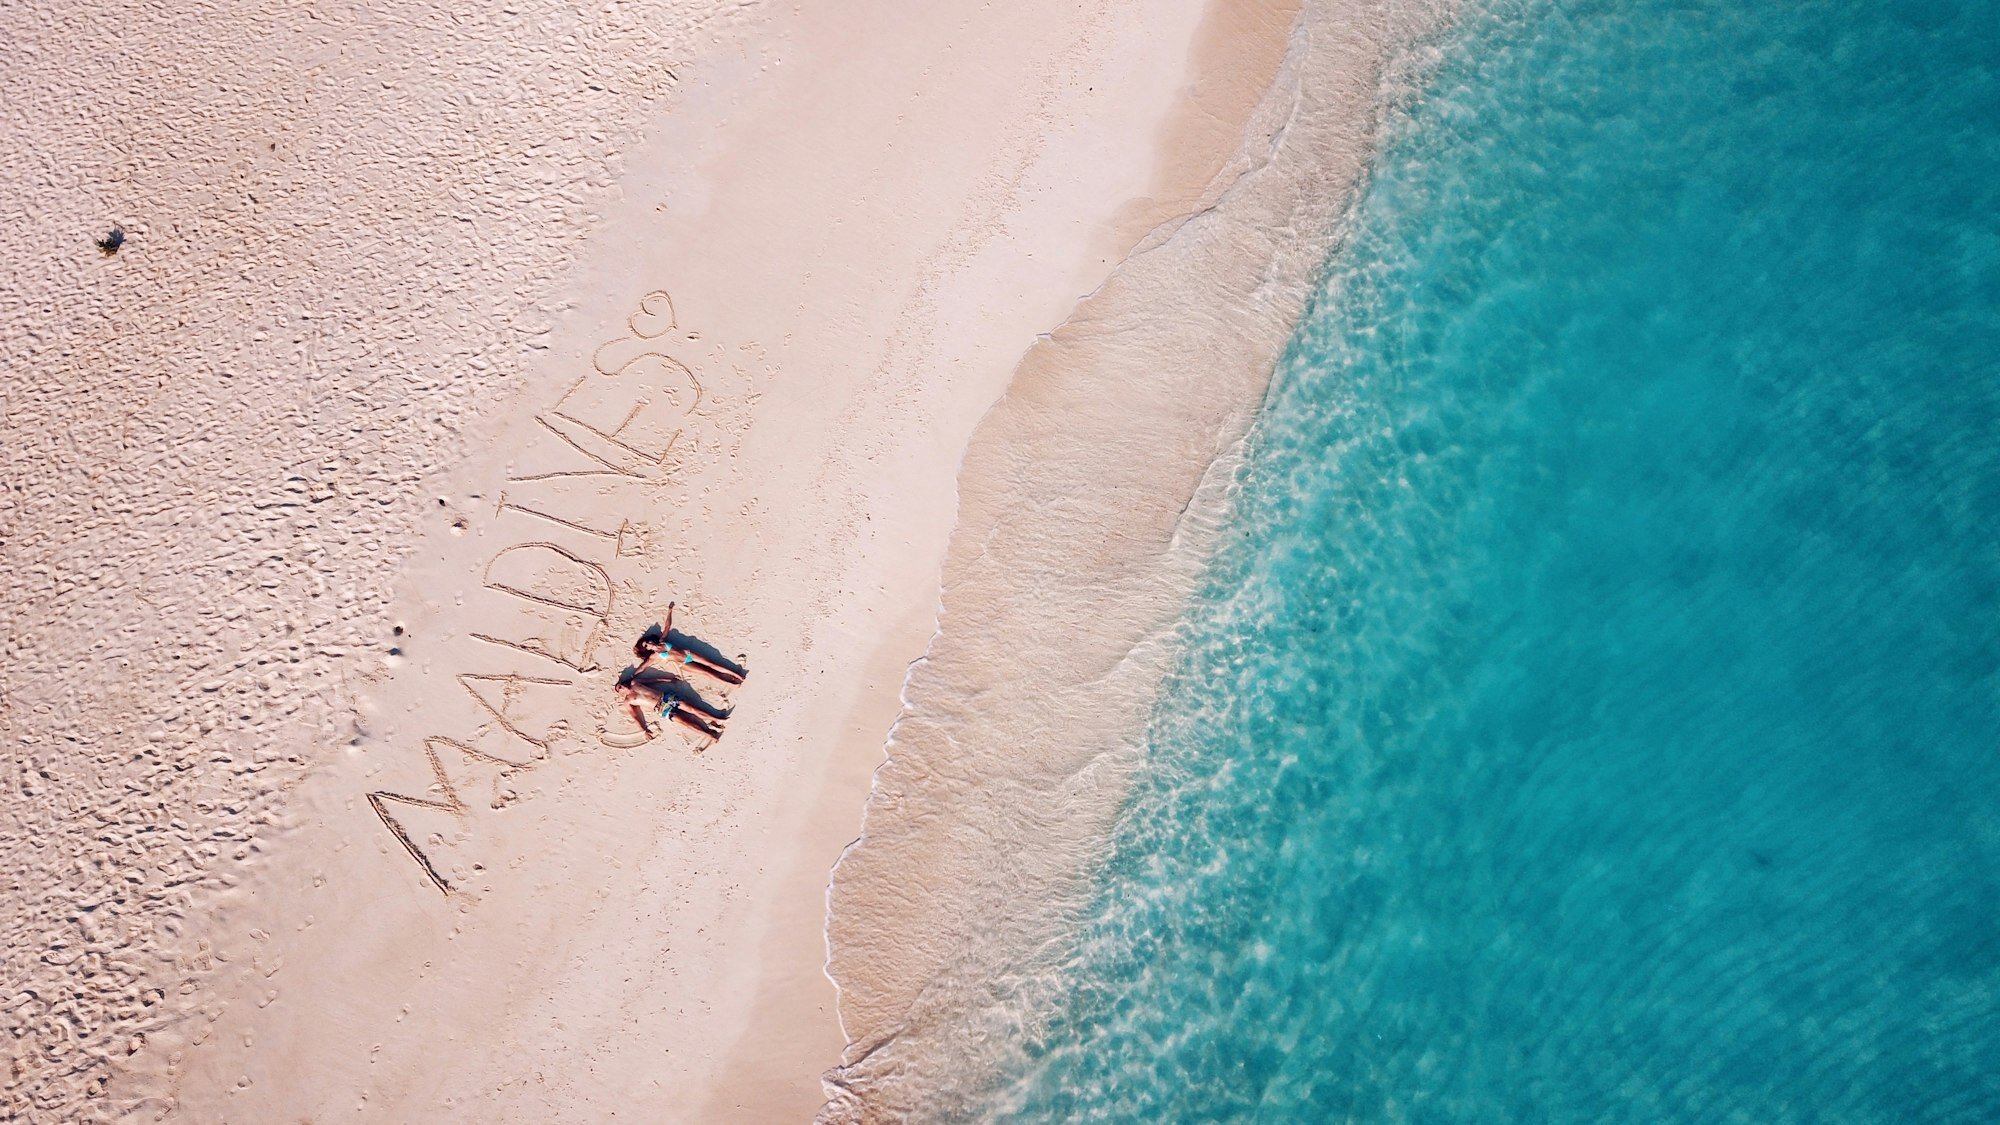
<point x="641" y="716"/>
<point x="667" y="622"/>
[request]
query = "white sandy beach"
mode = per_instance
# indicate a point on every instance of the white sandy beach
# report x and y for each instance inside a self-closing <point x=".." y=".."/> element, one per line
<point x="440" y="354"/>
<point x="1088" y="504"/>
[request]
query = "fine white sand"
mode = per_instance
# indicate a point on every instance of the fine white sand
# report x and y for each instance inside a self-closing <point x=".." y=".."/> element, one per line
<point x="1088" y="503"/>
<point x="477" y="338"/>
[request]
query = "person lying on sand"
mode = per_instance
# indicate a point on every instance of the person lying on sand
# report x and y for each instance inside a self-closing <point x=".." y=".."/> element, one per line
<point x="641" y="696"/>
<point x="661" y="646"/>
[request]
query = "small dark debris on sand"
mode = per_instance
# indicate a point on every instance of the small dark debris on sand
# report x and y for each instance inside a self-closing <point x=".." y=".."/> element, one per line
<point x="110" y="243"/>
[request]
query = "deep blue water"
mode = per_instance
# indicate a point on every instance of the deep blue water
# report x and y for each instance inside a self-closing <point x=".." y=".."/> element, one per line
<point x="1594" y="714"/>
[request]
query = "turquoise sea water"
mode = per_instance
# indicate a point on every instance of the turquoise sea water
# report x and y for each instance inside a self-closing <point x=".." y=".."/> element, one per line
<point x="1593" y="715"/>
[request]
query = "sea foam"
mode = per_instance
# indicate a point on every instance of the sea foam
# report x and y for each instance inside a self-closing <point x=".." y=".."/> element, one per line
<point x="1087" y="506"/>
<point x="1589" y="712"/>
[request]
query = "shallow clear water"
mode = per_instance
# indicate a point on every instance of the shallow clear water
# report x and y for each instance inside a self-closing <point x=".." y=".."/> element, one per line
<point x="1593" y="714"/>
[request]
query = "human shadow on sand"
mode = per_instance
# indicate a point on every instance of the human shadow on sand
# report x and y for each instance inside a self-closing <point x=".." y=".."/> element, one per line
<point x="673" y="686"/>
<point x="697" y="646"/>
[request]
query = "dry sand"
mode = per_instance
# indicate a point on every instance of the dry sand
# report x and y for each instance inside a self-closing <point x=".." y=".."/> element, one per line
<point x="1088" y="504"/>
<point x="440" y="353"/>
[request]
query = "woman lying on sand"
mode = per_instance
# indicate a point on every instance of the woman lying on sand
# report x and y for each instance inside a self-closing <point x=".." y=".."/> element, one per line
<point x="642" y="696"/>
<point x="657" y="643"/>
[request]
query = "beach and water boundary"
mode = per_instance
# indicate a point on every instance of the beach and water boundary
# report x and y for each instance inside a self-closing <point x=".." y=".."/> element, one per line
<point x="1572" y="694"/>
<point x="1087" y="507"/>
<point x="1587" y="714"/>
<point x="364" y="297"/>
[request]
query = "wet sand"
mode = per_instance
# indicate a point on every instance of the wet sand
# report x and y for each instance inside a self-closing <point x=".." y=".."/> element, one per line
<point x="437" y="357"/>
<point x="1089" y="500"/>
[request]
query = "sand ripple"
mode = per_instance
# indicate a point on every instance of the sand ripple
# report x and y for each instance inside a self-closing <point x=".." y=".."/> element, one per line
<point x="343" y="232"/>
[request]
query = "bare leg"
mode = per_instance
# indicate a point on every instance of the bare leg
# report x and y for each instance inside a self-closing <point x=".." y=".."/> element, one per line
<point x="687" y="718"/>
<point x="706" y="709"/>
<point x="718" y="671"/>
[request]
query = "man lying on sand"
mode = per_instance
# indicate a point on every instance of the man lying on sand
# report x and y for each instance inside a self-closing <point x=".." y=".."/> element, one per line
<point x="657" y="643"/>
<point x="642" y="696"/>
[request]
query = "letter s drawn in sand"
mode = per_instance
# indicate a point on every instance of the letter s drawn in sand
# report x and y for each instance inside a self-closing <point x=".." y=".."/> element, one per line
<point x="626" y="425"/>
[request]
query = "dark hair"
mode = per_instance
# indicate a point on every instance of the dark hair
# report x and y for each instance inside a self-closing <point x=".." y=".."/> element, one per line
<point x="628" y="677"/>
<point x="645" y="647"/>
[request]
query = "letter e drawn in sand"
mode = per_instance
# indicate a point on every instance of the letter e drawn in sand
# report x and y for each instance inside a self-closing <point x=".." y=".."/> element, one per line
<point x="625" y="425"/>
<point x="628" y="422"/>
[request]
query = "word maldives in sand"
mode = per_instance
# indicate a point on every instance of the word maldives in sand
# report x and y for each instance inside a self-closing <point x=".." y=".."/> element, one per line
<point x="620" y="427"/>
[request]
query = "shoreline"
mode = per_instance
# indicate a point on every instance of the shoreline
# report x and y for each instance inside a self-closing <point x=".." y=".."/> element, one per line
<point x="454" y="381"/>
<point x="825" y="264"/>
<point x="984" y="823"/>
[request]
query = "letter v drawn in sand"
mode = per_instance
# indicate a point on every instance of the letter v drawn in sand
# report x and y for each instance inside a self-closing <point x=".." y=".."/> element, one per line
<point x="619" y="427"/>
